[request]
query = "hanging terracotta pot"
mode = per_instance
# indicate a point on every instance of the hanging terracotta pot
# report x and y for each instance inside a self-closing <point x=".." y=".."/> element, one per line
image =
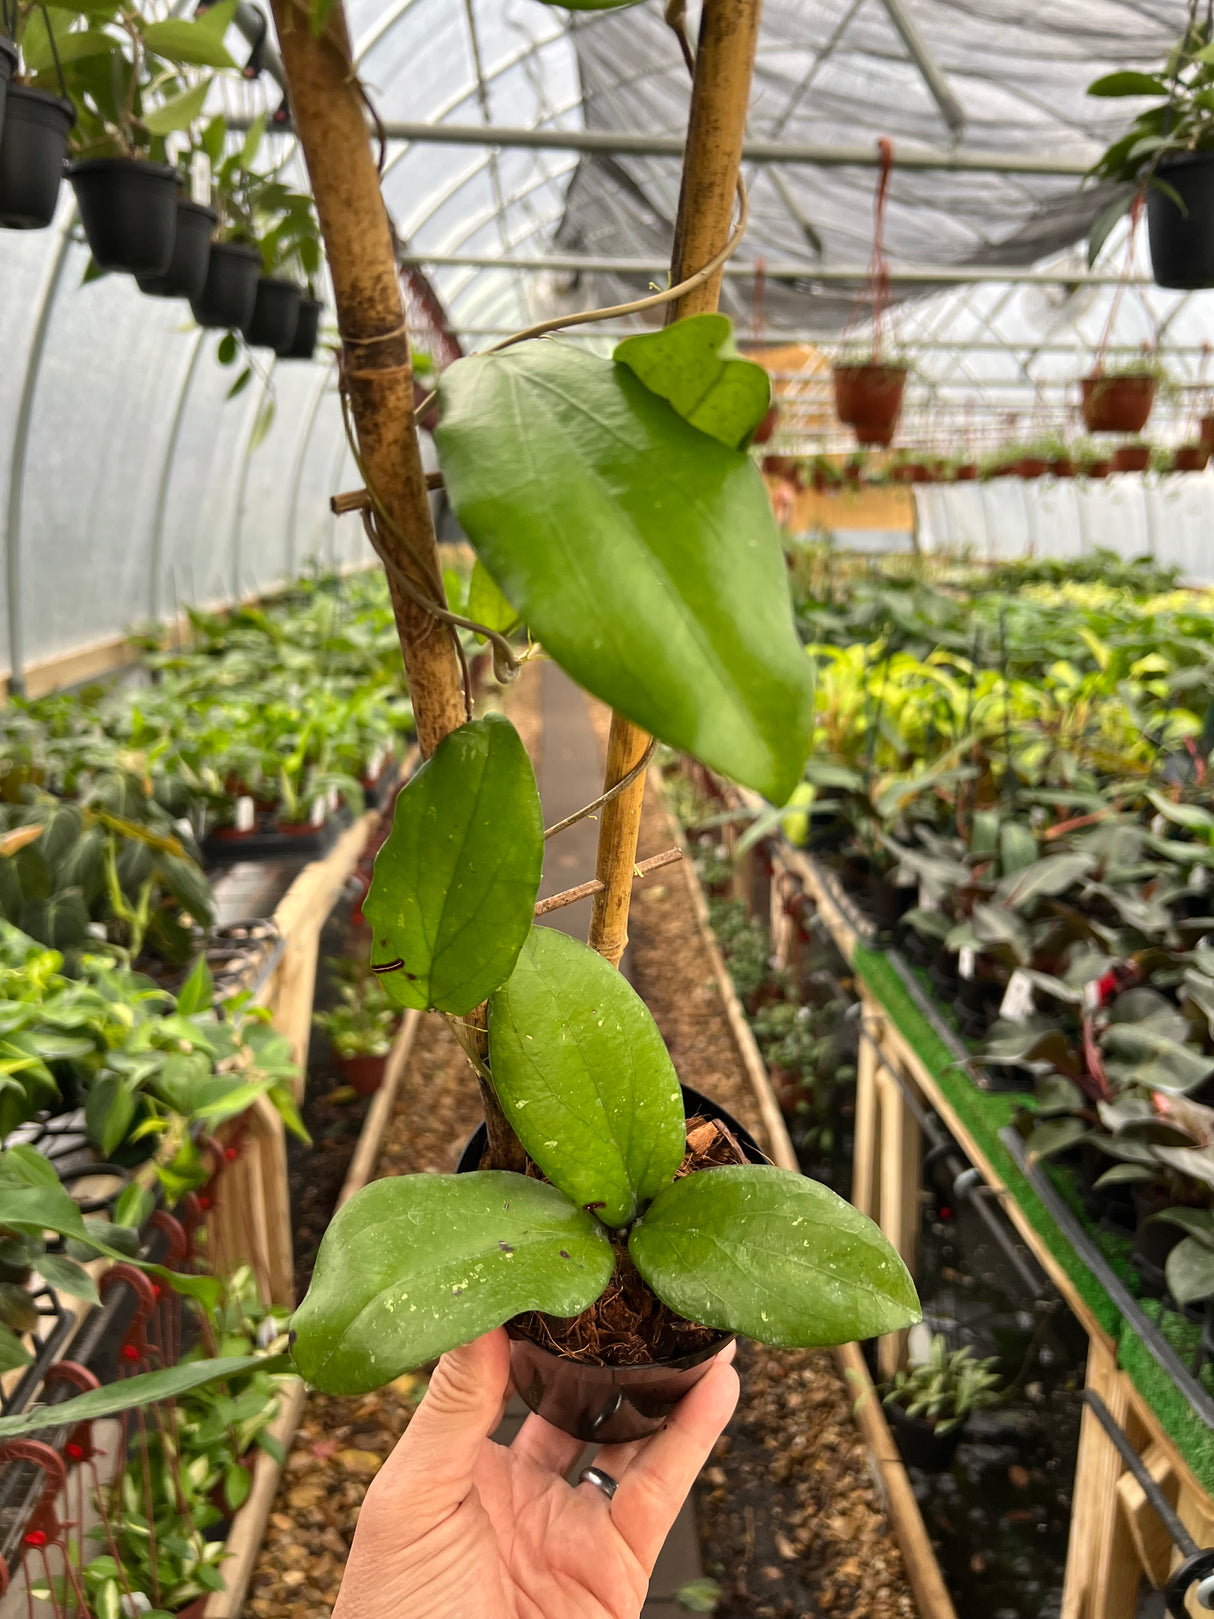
<point x="1098" y="469"/>
<point x="187" y="272"/>
<point x="1131" y="458"/>
<point x="1180" y="221"/>
<point x="129" y="212"/>
<point x="1062" y="467"/>
<point x="768" y="425"/>
<point x="1031" y="466"/>
<point x="967" y="472"/>
<point x="868" y="398"/>
<point x="1120" y="404"/>
<point x="1191" y="458"/>
<point x="33" y="145"/>
<point x="1206" y="433"/>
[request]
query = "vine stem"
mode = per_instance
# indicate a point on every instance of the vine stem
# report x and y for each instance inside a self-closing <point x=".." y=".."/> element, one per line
<point x="720" y="99"/>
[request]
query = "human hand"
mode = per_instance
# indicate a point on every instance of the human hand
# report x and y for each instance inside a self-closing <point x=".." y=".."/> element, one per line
<point x="457" y="1527"/>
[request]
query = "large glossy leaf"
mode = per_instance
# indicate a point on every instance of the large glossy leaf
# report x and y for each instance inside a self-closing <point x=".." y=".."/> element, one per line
<point x="486" y="604"/>
<point x="455" y="883"/>
<point x="145" y="1389"/>
<point x="696" y="368"/>
<point x="416" y="1264"/>
<point x="641" y="552"/>
<point x="180" y="41"/>
<point x="1189" y="1269"/>
<point x="1139" y="1053"/>
<point x="1054" y="875"/>
<point x="584" y="1077"/>
<point x="774" y="1255"/>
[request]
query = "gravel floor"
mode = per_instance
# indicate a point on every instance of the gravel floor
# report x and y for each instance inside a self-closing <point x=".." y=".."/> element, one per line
<point x="790" y="1521"/>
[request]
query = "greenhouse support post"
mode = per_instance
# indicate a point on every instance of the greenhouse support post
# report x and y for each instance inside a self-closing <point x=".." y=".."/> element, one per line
<point x="329" y="109"/>
<point x="720" y="98"/>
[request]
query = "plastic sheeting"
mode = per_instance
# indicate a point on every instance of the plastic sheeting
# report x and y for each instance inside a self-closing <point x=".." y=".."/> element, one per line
<point x="122" y="517"/>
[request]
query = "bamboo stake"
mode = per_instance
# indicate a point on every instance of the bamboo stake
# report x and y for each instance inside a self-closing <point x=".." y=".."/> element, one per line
<point x="330" y="119"/>
<point x="720" y="97"/>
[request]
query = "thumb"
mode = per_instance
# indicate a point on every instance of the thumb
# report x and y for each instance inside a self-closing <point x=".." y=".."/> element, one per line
<point x="461" y="1408"/>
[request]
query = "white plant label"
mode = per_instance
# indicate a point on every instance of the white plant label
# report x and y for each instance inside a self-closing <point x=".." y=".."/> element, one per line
<point x="1017" y="1002"/>
<point x="200" y="179"/>
<point x="965" y="961"/>
<point x="244" y="818"/>
<point x="317" y="817"/>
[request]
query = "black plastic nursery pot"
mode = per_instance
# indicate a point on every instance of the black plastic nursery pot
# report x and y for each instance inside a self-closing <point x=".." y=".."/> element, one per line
<point x="920" y="1442"/>
<point x="275" y="315"/>
<point x="1182" y="234"/>
<point x="230" y="288"/>
<point x="187" y="272"/>
<point x="33" y="145"/>
<point x="303" y="344"/>
<point x="610" y="1404"/>
<point x="8" y="66"/>
<point x="129" y="212"/>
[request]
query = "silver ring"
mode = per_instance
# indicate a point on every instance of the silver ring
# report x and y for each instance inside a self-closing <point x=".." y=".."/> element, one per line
<point x="602" y="1481"/>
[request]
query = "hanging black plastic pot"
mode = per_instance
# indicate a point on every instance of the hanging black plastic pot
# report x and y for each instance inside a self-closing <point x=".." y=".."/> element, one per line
<point x="1182" y="237"/>
<point x="230" y="289"/>
<point x="187" y="272"/>
<point x="303" y="345"/>
<point x="8" y="66"/>
<point x="275" y="315"/>
<point x="129" y="212"/>
<point x="33" y="145"/>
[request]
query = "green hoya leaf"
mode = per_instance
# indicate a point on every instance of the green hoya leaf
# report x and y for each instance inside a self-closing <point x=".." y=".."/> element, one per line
<point x="1191" y="816"/>
<point x="1053" y="875"/>
<point x="13" y="1352"/>
<point x="773" y="1255"/>
<point x="66" y="1276"/>
<point x="641" y="552"/>
<point x="198" y="991"/>
<point x="584" y="1077"/>
<point x="486" y="604"/>
<point x="415" y="1265"/>
<point x="455" y="883"/>
<point x="1128" y="82"/>
<point x="190" y="43"/>
<point x="695" y="367"/>
<point x="132" y="1392"/>
<point x="179" y="112"/>
<point x="1189" y="1269"/>
<point x="40" y="1208"/>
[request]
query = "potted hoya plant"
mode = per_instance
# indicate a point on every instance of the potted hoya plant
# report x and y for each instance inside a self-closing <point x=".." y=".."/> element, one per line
<point x="135" y="92"/>
<point x="286" y="313"/>
<point x="361" y="1027"/>
<point x="37" y="118"/>
<point x="1168" y="151"/>
<point x="929" y="1403"/>
<point x="618" y="1226"/>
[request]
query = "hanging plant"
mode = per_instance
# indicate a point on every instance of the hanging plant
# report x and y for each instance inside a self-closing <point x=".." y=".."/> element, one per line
<point x="36" y="119"/>
<point x="133" y="85"/>
<point x="1168" y="154"/>
<point x="868" y="393"/>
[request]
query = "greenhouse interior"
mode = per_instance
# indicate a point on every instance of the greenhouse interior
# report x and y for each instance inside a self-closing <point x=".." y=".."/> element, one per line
<point x="606" y="809"/>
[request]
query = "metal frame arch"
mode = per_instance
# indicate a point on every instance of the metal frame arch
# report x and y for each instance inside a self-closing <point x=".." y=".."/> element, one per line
<point x="156" y="551"/>
<point x="301" y="456"/>
<point x="266" y="390"/>
<point x="20" y="446"/>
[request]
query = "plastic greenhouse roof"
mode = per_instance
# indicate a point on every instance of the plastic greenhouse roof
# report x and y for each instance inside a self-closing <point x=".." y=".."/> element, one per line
<point x="130" y="484"/>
